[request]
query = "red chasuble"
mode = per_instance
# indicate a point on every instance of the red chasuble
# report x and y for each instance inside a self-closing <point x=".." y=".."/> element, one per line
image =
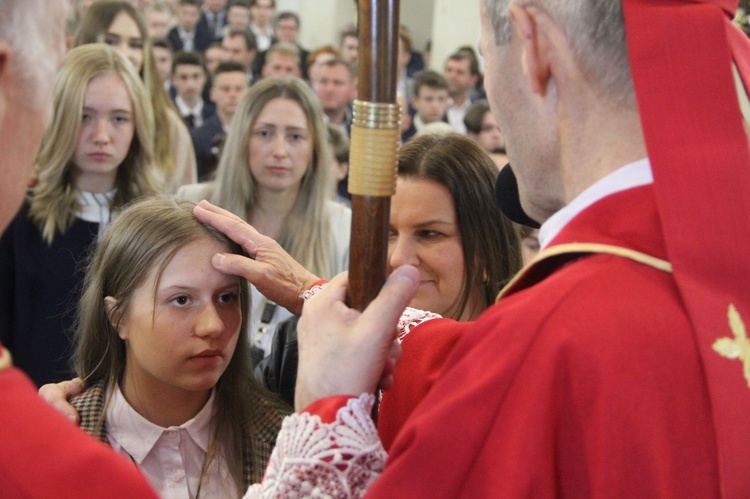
<point x="42" y="455"/>
<point x="583" y="380"/>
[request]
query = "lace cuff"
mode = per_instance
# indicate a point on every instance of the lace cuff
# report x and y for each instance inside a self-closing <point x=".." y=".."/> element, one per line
<point x="309" y="293"/>
<point x="314" y="459"/>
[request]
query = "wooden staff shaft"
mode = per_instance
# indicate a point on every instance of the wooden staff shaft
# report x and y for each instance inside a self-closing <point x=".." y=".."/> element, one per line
<point x="378" y="22"/>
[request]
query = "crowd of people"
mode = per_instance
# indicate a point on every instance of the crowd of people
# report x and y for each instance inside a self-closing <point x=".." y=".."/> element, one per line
<point x="176" y="231"/>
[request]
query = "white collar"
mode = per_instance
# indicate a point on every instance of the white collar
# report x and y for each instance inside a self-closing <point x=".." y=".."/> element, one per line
<point x="463" y="107"/>
<point x="137" y="436"/>
<point x="95" y="207"/>
<point x="185" y="110"/>
<point x="418" y="123"/>
<point x="629" y="176"/>
<point x="185" y="34"/>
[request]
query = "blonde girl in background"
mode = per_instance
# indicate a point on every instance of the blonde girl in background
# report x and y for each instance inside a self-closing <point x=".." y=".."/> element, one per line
<point x="119" y="24"/>
<point x="275" y="173"/>
<point x="96" y="156"/>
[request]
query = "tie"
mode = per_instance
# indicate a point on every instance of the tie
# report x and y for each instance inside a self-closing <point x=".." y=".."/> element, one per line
<point x="189" y="121"/>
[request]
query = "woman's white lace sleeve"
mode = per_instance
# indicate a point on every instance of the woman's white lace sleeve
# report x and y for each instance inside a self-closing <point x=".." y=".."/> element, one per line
<point x="316" y="459"/>
<point x="411" y="318"/>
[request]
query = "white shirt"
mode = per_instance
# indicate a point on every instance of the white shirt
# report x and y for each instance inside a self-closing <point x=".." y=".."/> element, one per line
<point x="185" y="110"/>
<point x="262" y="38"/>
<point x="95" y="207"/>
<point x="627" y="177"/>
<point x="188" y="39"/>
<point x="171" y="458"/>
<point x="456" y="115"/>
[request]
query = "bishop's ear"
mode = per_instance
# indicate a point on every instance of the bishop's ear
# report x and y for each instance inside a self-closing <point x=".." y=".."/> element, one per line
<point x="530" y="29"/>
<point x="5" y="60"/>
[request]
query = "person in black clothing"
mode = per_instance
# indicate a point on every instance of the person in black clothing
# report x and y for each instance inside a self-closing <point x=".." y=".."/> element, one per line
<point x="97" y="155"/>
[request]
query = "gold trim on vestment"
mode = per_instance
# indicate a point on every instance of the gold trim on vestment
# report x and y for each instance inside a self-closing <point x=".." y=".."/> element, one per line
<point x="6" y="360"/>
<point x="593" y="248"/>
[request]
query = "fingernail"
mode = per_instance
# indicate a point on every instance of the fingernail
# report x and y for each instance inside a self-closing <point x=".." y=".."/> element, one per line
<point x="408" y="273"/>
<point x="218" y="260"/>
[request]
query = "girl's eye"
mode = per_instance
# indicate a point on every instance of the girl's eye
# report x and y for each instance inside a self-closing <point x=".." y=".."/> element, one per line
<point x="120" y="119"/>
<point x="296" y="137"/>
<point x="228" y="298"/>
<point x="137" y="45"/>
<point x="181" y="300"/>
<point x="262" y="133"/>
<point x="85" y="117"/>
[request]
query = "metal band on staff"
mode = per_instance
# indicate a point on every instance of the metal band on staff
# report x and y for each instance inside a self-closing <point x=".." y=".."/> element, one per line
<point x="374" y="148"/>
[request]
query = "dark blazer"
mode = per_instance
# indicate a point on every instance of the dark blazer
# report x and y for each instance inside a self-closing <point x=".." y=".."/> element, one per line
<point x="203" y="38"/>
<point x="205" y="139"/>
<point x="205" y="29"/>
<point x="40" y="285"/>
<point x="208" y="111"/>
<point x="256" y="450"/>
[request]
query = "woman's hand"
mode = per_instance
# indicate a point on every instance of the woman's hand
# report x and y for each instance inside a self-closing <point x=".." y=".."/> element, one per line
<point x="58" y="394"/>
<point x="272" y="270"/>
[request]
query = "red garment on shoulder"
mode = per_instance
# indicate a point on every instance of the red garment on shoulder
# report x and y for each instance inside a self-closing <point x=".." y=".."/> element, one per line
<point x="43" y="455"/>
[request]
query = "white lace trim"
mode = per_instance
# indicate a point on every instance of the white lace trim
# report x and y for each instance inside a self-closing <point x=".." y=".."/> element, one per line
<point x="411" y="318"/>
<point x="306" y="295"/>
<point x="316" y="459"/>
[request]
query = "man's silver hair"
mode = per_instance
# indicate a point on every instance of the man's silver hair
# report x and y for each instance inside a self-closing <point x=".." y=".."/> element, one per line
<point x="34" y="28"/>
<point x="595" y="30"/>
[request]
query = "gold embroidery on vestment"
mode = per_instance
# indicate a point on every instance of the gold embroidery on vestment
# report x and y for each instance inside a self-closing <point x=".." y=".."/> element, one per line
<point x="590" y="248"/>
<point x="739" y="348"/>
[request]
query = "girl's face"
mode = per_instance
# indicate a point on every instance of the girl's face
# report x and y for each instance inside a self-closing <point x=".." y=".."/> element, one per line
<point x="280" y="146"/>
<point x="106" y="131"/>
<point x="180" y="339"/>
<point x="424" y="233"/>
<point x="124" y="35"/>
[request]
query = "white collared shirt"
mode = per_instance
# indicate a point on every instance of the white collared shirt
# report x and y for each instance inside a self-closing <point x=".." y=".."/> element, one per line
<point x="456" y="115"/>
<point x="262" y="38"/>
<point x="627" y="177"/>
<point x="95" y="207"/>
<point x="418" y="123"/>
<point x="188" y="39"/>
<point x="171" y="458"/>
<point x="185" y="110"/>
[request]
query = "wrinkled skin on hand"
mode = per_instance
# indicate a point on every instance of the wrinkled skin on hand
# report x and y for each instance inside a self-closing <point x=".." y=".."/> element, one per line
<point x="272" y="270"/>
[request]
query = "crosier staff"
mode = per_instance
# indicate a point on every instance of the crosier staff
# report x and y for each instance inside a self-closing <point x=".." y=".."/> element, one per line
<point x="374" y="148"/>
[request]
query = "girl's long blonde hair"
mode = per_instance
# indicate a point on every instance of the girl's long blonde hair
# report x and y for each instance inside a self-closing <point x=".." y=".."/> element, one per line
<point x="307" y="234"/>
<point x="53" y="201"/>
<point x="93" y="29"/>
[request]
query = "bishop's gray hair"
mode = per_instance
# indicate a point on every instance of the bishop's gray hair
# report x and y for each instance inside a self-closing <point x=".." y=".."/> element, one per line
<point x="35" y="29"/>
<point x="595" y="30"/>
